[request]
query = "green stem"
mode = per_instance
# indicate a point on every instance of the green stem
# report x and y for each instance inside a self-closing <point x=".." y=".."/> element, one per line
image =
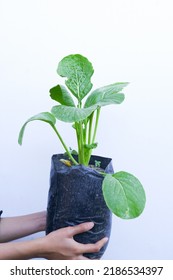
<point x="90" y="128"/>
<point x="96" y="124"/>
<point x="94" y="134"/>
<point x="81" y="142"/>
<point x="80" y="135"/>
<point x="78" y="140"/>
<point x="64" y="145"/>
<point x="85" y="130"/>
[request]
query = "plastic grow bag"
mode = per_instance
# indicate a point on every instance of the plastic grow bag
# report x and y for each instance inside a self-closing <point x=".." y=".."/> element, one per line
<point x="75" y="196"/>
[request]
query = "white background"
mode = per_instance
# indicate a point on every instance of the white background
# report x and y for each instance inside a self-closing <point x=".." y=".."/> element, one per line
<point x="126" y="41"/>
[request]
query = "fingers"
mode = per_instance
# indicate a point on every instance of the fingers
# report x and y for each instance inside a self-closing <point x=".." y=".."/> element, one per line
<point x="92" y="248"/>
<point x="101" y="242"/>
<point x="80" y="228"/>
<point x="85" y="248"/>
<point x="81" y="257"/>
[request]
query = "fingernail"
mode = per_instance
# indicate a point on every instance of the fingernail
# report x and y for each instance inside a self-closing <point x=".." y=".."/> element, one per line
<point x="90" y="224"/>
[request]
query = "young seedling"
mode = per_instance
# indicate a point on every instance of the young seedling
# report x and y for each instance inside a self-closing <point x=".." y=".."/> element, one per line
<point x="123" y="193"/>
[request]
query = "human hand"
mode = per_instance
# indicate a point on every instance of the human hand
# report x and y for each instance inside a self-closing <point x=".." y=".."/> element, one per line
<point x="60" y="245"/>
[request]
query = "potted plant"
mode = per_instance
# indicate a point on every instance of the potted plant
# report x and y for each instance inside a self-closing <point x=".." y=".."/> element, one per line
<point x="84" y="187"/>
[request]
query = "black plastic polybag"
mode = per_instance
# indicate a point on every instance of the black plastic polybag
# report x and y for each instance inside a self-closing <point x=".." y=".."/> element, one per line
<point x="75" y="196"/>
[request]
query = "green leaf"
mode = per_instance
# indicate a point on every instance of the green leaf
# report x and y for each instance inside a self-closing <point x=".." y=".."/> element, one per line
<point x="61" y="95"/>
<point x="107" y="95"/>
<point x="91" y="146"/>
<point x="45" y="116"/>
<point x="71" y="114"/>
<point x="72" y="152"/>
<point x="124" y="195"/>
<point x="78" y="71"/>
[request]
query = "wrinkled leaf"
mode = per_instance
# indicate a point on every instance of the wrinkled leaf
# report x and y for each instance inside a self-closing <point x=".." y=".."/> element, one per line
<point x="45" y="116"/>
<point x="124" y="195"/>
<point x="106" y="95"/>
<point x="61" y="95"/>
<point x="78" y="71"/>
<point x="71" y="114"/>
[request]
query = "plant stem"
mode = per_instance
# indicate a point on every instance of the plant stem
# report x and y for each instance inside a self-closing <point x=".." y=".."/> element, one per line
<point x="80" y="135"/>
<point x="81" y="142"/>
<point x="85" y="130"/>
<point x="64" y="145"/>
<point x="87" y="157"/>
<point x="90" y="128"/>
<point x="96" y="124"/>
<point x="78" y="140"/>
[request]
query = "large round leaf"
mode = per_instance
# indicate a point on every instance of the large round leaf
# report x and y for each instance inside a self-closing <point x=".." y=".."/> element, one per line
<point x="71" y="114"/>
<point x="45" y="116"/>
<point x="124" y="195"/>
<point x="78" y="71"/>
